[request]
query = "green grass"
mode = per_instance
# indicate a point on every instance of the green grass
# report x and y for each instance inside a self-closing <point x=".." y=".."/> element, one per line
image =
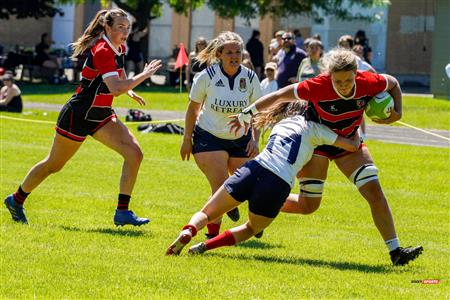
<point x="421" y="112"/>
<point x="72" y="250"/>
<point x="157" y="98"/>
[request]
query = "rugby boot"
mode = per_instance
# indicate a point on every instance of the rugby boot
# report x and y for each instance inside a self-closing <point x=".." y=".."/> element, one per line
<point x="16" y="210"/>
<point x="259" y="234"/>
<point x="182" y="240"/>
<point x="234" y="214"/>
<point x="127" y="217"/>
<point x="197" y="249"/>
<point x="402" y="256"/>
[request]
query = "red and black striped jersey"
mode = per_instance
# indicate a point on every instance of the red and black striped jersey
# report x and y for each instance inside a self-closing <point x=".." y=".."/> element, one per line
<point x="341" y="114"/>
<point x="92" y="97"/>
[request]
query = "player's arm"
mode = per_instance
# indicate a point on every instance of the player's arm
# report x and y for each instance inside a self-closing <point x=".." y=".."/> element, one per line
<point x="192" y="113"/>
<point x="393" y="88"/>
<point x="286" y="94"/>
<point x="118" y="86"/>
<point x="351" y="145"/>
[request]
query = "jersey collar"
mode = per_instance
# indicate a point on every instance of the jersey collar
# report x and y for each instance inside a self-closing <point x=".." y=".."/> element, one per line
<point x="230" y="78"/>
<point x="111" y="45"/>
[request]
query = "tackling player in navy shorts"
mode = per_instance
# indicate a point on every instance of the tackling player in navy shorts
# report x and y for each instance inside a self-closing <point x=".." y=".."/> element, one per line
<point x="264" y="181"/>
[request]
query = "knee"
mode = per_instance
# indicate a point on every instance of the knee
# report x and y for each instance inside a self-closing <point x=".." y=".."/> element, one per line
<point x="308" y="207"/>
<point x="52" y="167"/>
<point x="134" y="154"/>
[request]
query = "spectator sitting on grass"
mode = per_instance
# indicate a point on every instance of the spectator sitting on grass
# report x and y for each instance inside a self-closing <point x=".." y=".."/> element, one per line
<point x="10" y="95"/>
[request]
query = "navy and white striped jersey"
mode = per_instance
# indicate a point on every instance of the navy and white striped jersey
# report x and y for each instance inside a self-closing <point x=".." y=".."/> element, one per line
<point x="291" y="145"/>
<point x="223" y="96"/>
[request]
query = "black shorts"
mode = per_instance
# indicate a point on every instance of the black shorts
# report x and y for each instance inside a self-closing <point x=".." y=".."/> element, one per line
<point x="72" y="124"/>
<point x="203" y="141"/>
<point x="265" y="191"/>
<point x="332" y="152"/>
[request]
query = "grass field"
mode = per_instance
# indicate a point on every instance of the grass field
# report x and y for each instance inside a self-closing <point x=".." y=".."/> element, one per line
<point x="423" y="112"/>
<point x="72" y="250"/>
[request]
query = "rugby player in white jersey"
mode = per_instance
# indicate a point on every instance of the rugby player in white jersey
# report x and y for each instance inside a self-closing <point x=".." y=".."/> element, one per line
<point x="264" y="181"/>
<point x="223" y="89"/>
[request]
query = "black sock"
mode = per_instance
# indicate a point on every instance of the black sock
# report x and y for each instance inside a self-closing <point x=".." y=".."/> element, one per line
<point x="124" y="200"/>
<point x="20" y="196"/>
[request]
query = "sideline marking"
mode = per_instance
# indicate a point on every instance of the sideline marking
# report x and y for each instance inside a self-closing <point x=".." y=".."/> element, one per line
<point x="54" y="122"/>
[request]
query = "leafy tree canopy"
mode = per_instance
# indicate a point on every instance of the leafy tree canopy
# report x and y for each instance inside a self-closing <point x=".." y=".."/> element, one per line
<point x="28" y="9"/>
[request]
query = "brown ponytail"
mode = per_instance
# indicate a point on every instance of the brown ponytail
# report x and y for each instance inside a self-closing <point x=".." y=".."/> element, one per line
<point x="95" y="28"/>
<point x="276" y="113"/>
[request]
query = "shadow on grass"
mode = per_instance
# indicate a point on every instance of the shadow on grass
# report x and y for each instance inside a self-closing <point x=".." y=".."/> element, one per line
<point x="343" y="266"/>
<point x="256" y="244"/>
<point x="112" y="231"/>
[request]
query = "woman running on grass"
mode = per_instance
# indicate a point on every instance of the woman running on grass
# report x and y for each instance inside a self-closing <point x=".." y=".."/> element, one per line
<point x="223" y="89"/>
<point x="89" y="112"/>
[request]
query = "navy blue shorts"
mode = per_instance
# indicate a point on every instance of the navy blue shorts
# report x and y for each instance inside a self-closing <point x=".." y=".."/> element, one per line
<point x="265" y="191"/>
<point x="203" y="141"/>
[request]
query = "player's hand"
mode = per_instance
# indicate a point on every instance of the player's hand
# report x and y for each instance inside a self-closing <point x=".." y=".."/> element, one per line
<point x="151" y="67"/>
<point x="394" y="117"/>
<point x="252" y="148"/>
<point x="136" y="97"/>
<point x="186" y="148"/>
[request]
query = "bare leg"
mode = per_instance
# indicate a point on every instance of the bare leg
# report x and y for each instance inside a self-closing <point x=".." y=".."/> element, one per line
<point x="255" y="224"/>
<point x="316" y="168"/>
<point x="62" y="150"/>
<point x="118" y="137"/>
<point x="371" y="191"/>
<point x="217" y="205"/>
<point x="214" y="165"/>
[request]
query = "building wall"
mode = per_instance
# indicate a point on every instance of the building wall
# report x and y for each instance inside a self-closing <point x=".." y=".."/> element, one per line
<point x="409" y="35"/>
<point x="160" y="41"/>
<point x="332" y="28"/>
<point x="63" y="27"/>
<point x="440" y="83"/>
<point x="23" y="32"/>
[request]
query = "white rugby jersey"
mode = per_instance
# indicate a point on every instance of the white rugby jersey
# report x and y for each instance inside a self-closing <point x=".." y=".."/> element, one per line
<point x="291" y="145"/>
<point x="223" y="96"/>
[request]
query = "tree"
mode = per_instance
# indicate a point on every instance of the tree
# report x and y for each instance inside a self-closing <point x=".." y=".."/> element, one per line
<point x="249" y="9"/>
<point x="28" y="9"/>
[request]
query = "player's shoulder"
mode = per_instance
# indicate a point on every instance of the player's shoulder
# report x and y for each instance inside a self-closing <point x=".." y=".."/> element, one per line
<point x="366" y="76"/>
<point x="101" y="47"/>
<point x="248" y="73"/>
<point x="209" y="72"/>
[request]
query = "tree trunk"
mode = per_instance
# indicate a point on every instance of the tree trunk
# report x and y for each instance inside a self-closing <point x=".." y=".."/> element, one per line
<point x="142" y="13"/>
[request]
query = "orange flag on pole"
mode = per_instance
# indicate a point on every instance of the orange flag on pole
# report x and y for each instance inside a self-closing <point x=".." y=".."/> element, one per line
<point x="182" y="58"/>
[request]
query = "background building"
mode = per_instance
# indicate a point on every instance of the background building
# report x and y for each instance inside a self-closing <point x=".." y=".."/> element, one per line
<point x="402" y="40"/>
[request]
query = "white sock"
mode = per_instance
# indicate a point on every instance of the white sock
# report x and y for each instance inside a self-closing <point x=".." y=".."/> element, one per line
<point x="392" y="244"/>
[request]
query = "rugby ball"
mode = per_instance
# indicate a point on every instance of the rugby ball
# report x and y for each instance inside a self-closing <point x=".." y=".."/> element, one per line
<point x="380" y="106"/>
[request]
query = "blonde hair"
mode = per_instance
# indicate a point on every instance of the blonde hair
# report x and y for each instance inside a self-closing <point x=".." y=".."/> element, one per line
<point x="269" y="118"/>
<point x="95" y="28"/>
<point x="210" y="54"/>
<point x="340" y="59"/>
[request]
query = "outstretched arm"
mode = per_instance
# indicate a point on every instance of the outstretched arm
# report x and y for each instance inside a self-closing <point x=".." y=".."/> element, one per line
<point x="119" y="86"/>
<point x="285" y="94"/>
